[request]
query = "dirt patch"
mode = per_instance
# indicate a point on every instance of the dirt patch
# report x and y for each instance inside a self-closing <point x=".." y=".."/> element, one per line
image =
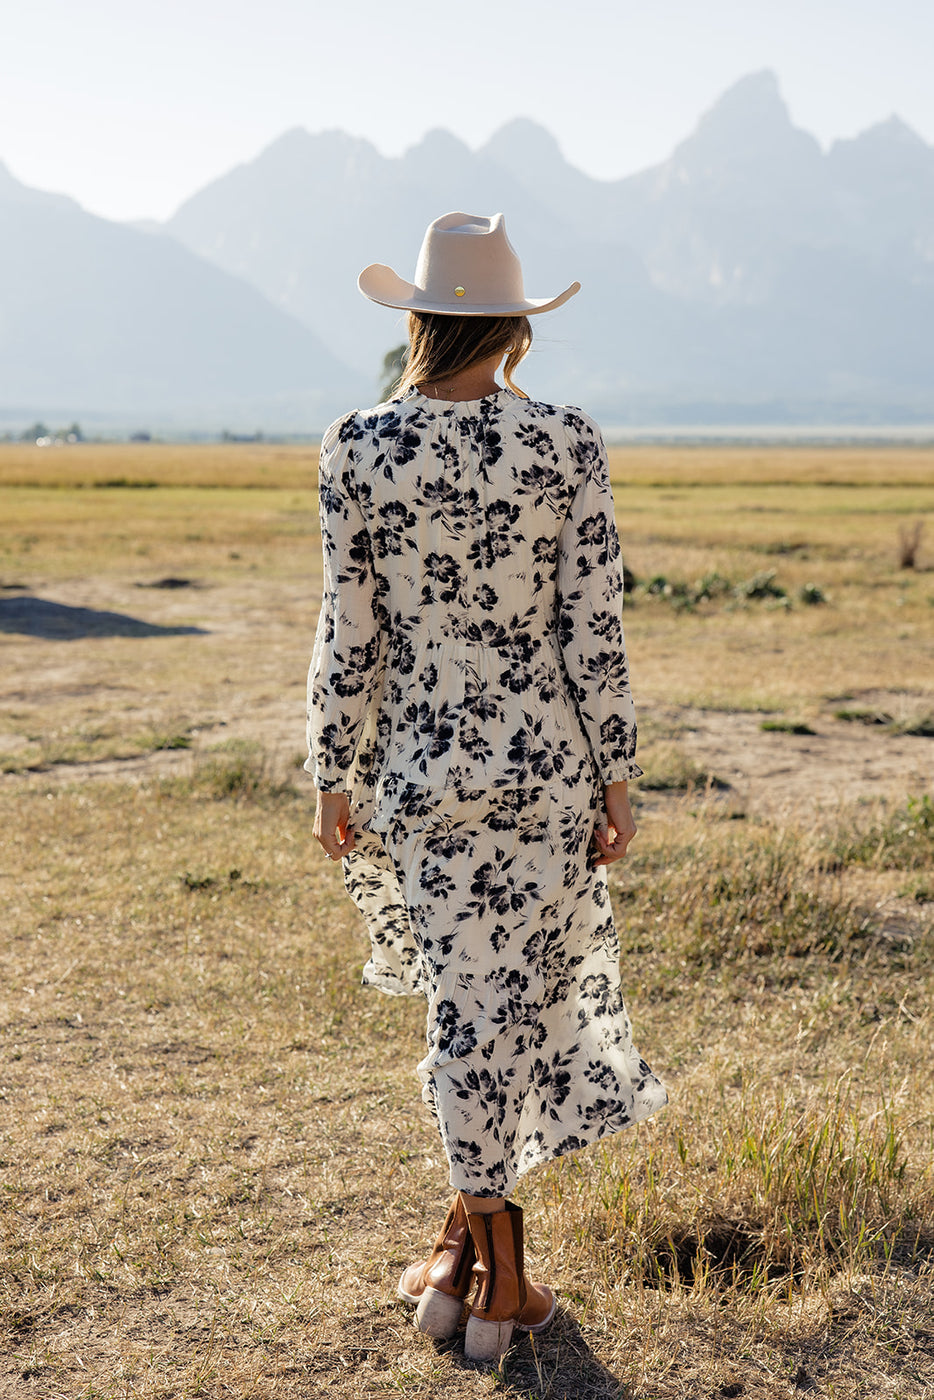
<point x="774" y="772"/>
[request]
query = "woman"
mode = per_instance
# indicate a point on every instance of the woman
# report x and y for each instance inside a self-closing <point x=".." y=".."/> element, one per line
<point x="471" y="735"/>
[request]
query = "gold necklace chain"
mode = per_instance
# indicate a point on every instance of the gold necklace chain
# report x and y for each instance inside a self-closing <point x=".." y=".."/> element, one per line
<point x="440" y="391"/>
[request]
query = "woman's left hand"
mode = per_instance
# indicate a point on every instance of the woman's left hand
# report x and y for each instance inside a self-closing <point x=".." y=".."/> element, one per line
<point x="332" y="824"/>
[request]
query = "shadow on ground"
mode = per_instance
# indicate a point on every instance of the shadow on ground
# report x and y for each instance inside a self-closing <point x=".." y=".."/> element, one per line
<point x="58" y="622"/>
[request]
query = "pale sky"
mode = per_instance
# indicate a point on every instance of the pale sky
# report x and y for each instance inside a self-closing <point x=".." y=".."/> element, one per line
<point x="130" y="106"/>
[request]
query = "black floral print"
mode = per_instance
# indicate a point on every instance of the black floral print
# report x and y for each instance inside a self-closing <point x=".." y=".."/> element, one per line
<point x="469" y="688"/>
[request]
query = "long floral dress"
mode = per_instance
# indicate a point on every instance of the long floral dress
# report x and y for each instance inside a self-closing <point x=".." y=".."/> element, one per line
<point x="469" y="688"/>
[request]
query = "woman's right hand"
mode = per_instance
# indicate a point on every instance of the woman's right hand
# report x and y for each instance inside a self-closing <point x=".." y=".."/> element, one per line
<point x="614" y="835"/>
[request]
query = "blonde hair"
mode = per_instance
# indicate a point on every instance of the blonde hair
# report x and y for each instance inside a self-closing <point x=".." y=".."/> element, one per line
<point x="442" y="346"/>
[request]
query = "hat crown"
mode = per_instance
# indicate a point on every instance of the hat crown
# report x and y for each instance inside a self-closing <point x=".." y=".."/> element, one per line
<point x="467" y="267"/>
<point x="467" y="260"/>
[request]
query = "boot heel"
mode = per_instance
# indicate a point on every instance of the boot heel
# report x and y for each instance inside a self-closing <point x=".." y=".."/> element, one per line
<point x="487" y="1341"/>
<point x="438" y="1314"/>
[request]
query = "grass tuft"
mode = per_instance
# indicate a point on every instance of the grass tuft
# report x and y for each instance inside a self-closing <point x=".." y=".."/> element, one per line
<point x="859" y="715"/>
<point x="160" y="742"/>
<point x="919" y="724"/>
<point x="798" y="1193"/>
<point x="669" y="769"/>
<point x="233" y="770"/>
<point x="762" y="903"/>
<point x="902" y="839"/>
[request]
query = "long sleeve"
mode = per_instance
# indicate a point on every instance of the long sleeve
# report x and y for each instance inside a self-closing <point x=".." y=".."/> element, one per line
<point x="589" y="603"/>
<point x="345" y="659"/>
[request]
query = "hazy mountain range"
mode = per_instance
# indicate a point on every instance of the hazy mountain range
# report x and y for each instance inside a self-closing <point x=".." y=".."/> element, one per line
<point x="750" y="277"/>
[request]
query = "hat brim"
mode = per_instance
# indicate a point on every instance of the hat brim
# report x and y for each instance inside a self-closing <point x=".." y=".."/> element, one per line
<point x="382" y="285"/>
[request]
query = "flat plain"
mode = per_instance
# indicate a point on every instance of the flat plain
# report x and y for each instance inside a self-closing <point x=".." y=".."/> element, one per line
<point x="213" y="1158"/>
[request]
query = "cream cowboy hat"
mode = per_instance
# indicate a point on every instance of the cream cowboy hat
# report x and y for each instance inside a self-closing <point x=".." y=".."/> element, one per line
<point x="467" y="267"/>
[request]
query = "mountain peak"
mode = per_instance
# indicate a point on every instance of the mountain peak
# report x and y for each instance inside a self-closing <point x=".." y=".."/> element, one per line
<point x="760" y="89"/>
<point x="439" y="144"/>
<point x="891" y="134"/>
<point x="297" y="156"/>
<point x="295" y="138"/>
<point x="752" y="107"/>
<point x="884" y="156"/>
<point x="523" y="145"/>
<point x="299" y="145"/>
<point x="898" y="130"/>
<point x="750" y="126"/>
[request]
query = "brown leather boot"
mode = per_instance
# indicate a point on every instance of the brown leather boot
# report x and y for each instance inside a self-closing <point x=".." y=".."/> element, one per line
<point x="505" y="1298"/>
<point x="441" y="1282"/>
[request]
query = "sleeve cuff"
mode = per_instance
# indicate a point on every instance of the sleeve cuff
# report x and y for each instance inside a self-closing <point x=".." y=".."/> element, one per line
<point x="325" y="782"/>
<point x="621" y="773"/>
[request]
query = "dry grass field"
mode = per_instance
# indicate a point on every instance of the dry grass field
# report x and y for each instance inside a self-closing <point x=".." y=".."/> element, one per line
<point x="213" y="1159"/>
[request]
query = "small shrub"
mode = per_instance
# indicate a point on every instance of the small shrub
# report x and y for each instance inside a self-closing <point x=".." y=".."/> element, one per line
<point x="917" y="725"/>
<point x="197" y="882"/>
<point x="677" y="593"/>
<point x="920" y="728"/>
<point x="862" y="716"/>
<point x="160" y="742"/>
<point x="781" y="547"/>
<point x="811" y="595"/>
<point x="786" y="726"/>
<point x="712" y="585"/>
<point x="210" y="882"/>
<point x="124" y="483"/>
<point x="761" y="585"/>
<point x="909" y="543"/>
<point x="171" y="582"/>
